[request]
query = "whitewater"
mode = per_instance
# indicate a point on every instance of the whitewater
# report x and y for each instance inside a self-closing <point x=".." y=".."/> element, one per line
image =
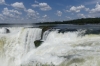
<point x="68" y="48"/>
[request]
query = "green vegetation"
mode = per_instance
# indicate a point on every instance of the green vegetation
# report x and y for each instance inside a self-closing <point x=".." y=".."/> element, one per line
<point x="81" y="21"/>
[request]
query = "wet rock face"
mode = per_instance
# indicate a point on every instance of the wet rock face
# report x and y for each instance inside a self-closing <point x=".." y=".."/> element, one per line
<point x="37" y="43"/>
<point x="7" y="30"/>
<point x="66" y="30"/>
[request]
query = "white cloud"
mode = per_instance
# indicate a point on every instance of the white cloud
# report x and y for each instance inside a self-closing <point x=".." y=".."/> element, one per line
<point x="81" y="16"/>
<point x="76" y="9"/>
<point x="36" y="1"/>
<point x="18" y="5"/>
<point x="68" y="18"/>
<point x="1" y="17"/>
<point x="96" y="9"/>
<point x="11" y="13"/>
<point x="59" y="13"/>
<point x="42" y="6"/>
<point x="32" y="14"/>
<point x="35" y="5"/>
<point x="44" y="16"/>
<point x="87" y="9"/>
<point x="2" y="1"/>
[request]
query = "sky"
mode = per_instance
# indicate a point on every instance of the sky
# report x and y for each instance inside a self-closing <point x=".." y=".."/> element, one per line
<point x="34" y="11"/>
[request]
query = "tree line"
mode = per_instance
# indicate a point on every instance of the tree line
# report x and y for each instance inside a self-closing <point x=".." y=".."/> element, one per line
<point x="81" y="21"/>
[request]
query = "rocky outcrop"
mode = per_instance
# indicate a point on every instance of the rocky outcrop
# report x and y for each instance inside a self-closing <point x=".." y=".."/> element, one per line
<point x="37" y="43"/>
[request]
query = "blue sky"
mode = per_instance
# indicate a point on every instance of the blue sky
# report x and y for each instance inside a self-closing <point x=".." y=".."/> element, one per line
<point x="31" y="11"/>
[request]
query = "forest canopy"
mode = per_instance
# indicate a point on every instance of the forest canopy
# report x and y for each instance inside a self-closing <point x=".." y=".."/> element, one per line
<point x="76" y="21"/>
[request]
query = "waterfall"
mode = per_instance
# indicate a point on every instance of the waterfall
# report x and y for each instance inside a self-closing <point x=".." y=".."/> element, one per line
<point x="70" y="48"/>
<point x="16" y="44"/>
<point x="66" y="49"/>
<point x="45" y="34"/>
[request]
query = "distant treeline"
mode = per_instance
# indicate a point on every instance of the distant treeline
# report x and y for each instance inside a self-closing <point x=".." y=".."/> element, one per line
<point x="81" y="21"/>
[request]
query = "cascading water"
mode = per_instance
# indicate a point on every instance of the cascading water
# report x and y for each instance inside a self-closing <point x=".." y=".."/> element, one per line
<point x="45" y="34"/>
<point x="60" y="49"/>
<point x="16" y="44"/>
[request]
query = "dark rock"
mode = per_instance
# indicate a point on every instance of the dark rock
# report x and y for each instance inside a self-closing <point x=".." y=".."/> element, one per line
<point x="66" y="30"/>
<point x="37" y="43"/>
<point x="91" y="31"/>
<point x="7" y="30"/>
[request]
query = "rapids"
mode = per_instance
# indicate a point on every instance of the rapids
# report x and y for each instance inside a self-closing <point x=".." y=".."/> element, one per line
<point x="70" y="48"/>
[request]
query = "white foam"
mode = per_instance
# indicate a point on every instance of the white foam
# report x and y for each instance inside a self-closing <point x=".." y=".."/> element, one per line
<point x="69" y="48"/>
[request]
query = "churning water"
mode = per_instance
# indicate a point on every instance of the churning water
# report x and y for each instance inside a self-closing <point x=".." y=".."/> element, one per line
<point x="70" y="48"/>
